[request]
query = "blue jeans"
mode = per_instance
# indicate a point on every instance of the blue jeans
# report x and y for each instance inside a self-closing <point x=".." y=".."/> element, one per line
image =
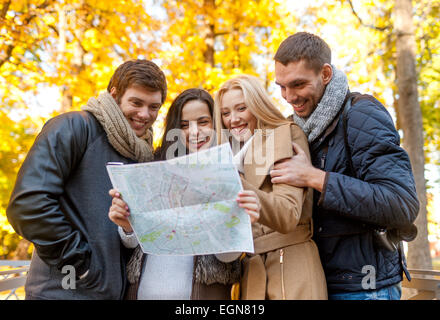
<point x="393" y="292"/>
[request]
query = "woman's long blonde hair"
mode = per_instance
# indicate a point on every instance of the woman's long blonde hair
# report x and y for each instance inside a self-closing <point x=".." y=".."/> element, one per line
<point x="256" y="99"/>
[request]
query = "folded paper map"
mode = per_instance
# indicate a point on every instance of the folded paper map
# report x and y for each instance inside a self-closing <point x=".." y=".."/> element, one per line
<point x="187" y="205"/>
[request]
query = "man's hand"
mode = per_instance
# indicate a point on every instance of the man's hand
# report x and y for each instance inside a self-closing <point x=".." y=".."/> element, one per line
<point x="298" y="171"/>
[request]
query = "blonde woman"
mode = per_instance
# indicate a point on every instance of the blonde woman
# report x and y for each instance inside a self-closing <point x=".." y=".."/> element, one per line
<point x="286" y="263"/>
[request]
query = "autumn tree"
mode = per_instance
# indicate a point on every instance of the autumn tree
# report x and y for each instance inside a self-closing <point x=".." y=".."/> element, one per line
<point x="204" y="42"/>
<point x="401" y="43"/>
<point x="90" y="38"/>
<point x="73" y="46"/>
<point x="410" y="117"/>
<point x="386" y="57"/>
<point x="19" y="74"/>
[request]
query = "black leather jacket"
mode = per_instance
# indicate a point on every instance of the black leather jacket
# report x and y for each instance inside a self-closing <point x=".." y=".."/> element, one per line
<point x="60" y="203"/>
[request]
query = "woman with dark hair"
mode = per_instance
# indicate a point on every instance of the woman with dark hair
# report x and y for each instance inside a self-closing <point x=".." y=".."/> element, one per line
<point x="190" y="120"/>
<point x="191" y="112"/>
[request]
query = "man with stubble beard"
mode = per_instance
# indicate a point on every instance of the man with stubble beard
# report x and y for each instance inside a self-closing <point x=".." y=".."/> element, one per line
<point x="361" y="177"/>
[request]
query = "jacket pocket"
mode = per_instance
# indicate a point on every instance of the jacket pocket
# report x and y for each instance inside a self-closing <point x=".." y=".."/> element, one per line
<point x="91" y="280"/>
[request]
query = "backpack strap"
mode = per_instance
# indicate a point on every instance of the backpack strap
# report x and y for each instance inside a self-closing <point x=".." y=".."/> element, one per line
<point x="353" y="98"/>
<point x="347" y="147"/>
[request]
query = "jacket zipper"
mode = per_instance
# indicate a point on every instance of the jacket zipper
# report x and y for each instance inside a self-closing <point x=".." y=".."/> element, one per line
<point x="283" y="293"/>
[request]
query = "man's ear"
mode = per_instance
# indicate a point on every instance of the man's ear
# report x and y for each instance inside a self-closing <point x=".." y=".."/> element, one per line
<point x="326" y="73"/>
<point x="113" y="92"/>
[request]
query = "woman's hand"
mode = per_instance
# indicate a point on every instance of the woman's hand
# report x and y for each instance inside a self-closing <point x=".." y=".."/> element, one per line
<point x="118" y="212"/>
<point x="248" y="200"/>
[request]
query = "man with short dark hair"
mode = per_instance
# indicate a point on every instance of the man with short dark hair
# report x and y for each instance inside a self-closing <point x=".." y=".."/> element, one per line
<point x="362" y="178"/>
<point x="60" y="200"/>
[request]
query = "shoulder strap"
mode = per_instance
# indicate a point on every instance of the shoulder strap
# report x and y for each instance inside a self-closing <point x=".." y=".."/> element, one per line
<point x="353" y="98"/>
<point x="347" y="107"/>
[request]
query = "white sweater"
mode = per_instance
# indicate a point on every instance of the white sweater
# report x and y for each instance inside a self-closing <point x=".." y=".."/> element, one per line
<point x="168" y="277"/>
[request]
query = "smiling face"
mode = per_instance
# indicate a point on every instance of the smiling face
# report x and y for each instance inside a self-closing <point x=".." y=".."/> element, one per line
<point x="301" y="86"/>
<point x="140" y="107"/>
<point x="197" y="126"/>
<point x="236" y="116"/>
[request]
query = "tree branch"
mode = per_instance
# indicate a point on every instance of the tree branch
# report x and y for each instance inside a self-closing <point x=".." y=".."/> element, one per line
<point x="217" y="34"/>
<point x="362" y="22"/>
<point x="5" y="9"/>
<point x="7" y="55"/>
<point x="10" y="48"/>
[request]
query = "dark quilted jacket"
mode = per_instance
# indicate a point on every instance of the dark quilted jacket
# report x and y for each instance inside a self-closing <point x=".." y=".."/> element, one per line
<point x="382" y="193"/>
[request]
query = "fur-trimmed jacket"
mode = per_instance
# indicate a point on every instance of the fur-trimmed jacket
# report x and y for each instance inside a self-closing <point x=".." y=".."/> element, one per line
<point x="212" y="278"/>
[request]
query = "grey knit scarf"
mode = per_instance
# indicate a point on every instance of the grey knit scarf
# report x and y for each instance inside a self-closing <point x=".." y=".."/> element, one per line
<point x="119" y="133"/>
<point x="329" y="106"/>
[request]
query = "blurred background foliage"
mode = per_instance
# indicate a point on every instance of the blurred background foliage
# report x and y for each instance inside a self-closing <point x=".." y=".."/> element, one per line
<point x="56" y="54"/>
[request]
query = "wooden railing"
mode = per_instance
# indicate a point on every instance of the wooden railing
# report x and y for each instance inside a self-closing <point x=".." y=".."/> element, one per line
<point x="14" y="277"/>
<point x="427" y="283"/>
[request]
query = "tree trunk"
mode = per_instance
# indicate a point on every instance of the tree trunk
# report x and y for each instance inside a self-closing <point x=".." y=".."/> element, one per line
<point x="77" y="27"/>
<point x="410" y="120"/>
<point x="209" y="31"/>
<point x="66" y="96"/>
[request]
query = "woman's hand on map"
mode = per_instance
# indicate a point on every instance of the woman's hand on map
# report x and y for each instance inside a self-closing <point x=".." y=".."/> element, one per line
<point x="248" y="200"/>
<point x="118" y="212"/>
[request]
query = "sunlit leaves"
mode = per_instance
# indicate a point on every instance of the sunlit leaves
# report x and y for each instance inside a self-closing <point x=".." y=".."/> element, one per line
<point x="72" y="45"/>
<point x="76" y="45"/>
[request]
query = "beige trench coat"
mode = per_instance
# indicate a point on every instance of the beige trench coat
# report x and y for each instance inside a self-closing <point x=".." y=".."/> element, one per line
<point x="286" y="263"/>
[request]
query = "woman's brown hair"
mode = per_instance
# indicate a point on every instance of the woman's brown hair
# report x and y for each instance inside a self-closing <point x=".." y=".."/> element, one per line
<point x="174" y="116"/>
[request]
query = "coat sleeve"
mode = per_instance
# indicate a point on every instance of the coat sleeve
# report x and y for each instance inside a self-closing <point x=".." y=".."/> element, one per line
<point x="281" y="208"/>
<point x="383" y="192"/>
<point x="34" y="210"/>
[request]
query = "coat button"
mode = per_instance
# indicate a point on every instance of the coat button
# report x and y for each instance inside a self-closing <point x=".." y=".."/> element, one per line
<point x="320" y="229"/>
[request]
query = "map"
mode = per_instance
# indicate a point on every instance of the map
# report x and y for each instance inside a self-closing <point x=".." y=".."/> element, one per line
<point x="187" y="205"/>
